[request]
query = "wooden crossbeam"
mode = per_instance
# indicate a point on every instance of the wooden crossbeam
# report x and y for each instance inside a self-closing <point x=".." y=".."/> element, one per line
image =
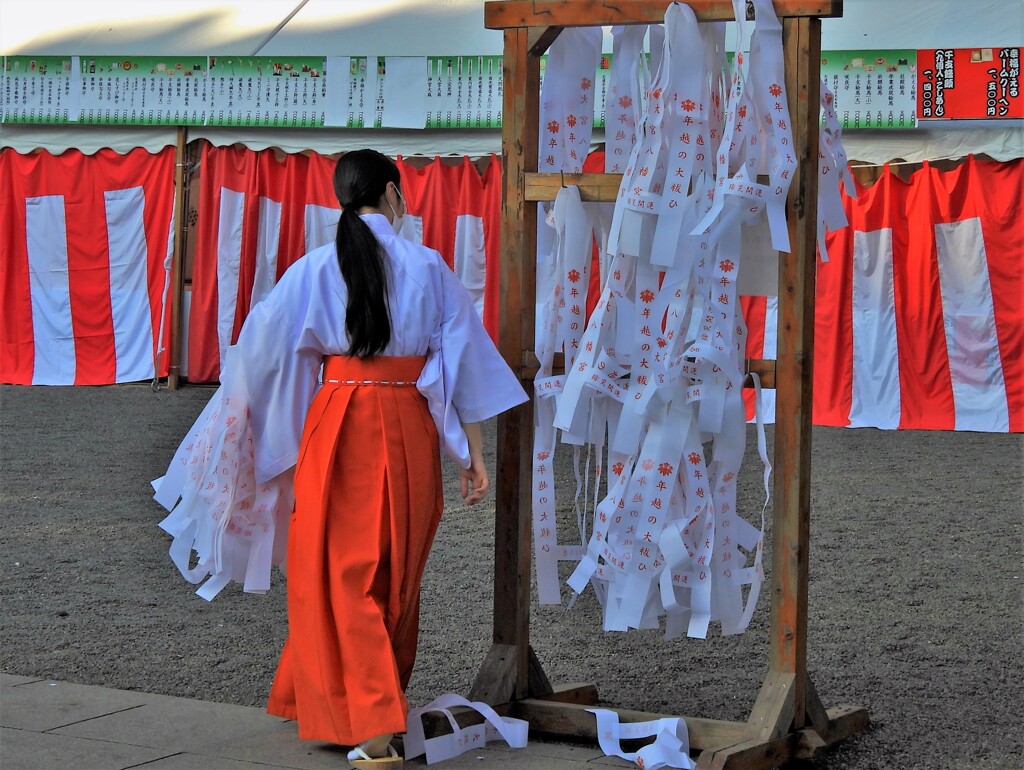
<point x="542" y="186"/>
<point x="504" y="14"/>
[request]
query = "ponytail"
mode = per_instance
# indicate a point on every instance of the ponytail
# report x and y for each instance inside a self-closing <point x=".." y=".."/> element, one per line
<point x="360" y="179"/>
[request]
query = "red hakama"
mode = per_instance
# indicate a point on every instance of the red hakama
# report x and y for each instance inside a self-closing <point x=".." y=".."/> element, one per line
<point x="368" y="500"/>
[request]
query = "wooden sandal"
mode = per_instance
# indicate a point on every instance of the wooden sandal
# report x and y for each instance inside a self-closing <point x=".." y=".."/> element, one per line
<point x="360" y="760"/>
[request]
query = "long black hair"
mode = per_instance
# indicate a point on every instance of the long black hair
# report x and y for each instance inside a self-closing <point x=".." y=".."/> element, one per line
<point x="360" y="179"/>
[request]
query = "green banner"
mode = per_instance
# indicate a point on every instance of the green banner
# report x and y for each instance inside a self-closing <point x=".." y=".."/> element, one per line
<point x="873" y="89"/>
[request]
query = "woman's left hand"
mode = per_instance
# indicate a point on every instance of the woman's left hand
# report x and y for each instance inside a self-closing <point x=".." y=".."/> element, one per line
<point x="475" y="483"/>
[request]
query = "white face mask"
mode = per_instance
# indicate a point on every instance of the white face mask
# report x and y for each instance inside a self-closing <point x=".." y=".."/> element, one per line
<point x="396" y="221"/>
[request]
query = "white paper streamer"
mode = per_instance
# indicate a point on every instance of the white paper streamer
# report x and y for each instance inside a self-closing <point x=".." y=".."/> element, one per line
<point x="670" y="748"/>
<point x="462" y="739"/>
<point x="567" y="100"/>
<point x="831" y="161"/>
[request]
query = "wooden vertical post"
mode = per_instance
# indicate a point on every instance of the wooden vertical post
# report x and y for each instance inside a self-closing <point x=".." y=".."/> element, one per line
<point x="505" y="674"/>
<point x="791" y="530"/>
<point x="177" y="282"/>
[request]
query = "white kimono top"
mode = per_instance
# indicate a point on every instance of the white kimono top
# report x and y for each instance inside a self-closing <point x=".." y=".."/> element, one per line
<point x="233" y="472"/>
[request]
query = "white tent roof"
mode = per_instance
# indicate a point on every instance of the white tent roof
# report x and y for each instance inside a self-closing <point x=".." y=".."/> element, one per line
<point x="445" y="27"/>
<point x="417" y="28"/>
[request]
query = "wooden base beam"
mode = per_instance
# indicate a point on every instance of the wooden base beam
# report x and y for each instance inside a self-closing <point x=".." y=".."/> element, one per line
<point x="572" y="720"/>
<point x="843" y="722"/>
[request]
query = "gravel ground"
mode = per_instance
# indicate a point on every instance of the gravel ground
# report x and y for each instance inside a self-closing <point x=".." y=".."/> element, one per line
<point x="915" y="588"/>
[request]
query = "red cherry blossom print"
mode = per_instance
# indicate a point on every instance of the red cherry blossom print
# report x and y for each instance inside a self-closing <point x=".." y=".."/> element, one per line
<point x="647" y="296"/>
<point x="570" y="120"/>
<point x="743" y="111"/>
<point x="543" y="455"/>
<point x="585" y="84"/>
<point x="618" y="468"/>
<point x="694" y="458"/>
<point x="775" y="89"/>
<point x="648" y="464"/>
<point x="665" y="469"/>
<point x="574" y="275"/>
<point x="689" y="105"/>
<point x="726" y="265"/>
<point x="553" y="127"/>
<point x="625" y="102"/>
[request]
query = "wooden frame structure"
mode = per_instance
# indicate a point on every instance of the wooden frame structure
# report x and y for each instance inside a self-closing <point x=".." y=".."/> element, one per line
<point x="787" y="720"/>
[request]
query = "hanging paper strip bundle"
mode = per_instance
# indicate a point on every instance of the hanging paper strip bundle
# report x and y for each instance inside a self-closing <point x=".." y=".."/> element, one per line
<point x="657" y="374"/>
<point x="215" y="467"/>
<point x="564" y="233"/>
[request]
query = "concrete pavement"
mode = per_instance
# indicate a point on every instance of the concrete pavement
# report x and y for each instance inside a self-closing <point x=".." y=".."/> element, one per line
<point x="47" y="725"/>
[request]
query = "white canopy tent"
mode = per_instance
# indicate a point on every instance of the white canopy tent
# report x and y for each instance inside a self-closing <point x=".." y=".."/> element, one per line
<point x="414" y="28"/>
<point x="452" y="27"/>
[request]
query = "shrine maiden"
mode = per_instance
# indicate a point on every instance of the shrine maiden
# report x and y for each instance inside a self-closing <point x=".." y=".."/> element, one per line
<point x="408" y="369"/>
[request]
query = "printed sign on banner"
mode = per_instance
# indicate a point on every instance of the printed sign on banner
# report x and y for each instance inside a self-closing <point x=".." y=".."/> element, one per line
<point x="969" y="83"/>
<point x="464" y="92"/>
<point x="873" y="89"/>
<point x="267" y="91"/>
<point x="40" y="89"/>
<point x="143" y="90"/>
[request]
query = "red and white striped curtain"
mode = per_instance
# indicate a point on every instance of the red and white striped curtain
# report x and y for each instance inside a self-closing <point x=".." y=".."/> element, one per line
<point x="85" y="247"/>
<point x="919" y="318"/>
<point x="259" y="213"/>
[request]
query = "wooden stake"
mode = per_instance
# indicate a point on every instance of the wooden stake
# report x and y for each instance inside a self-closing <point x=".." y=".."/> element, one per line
<point x="177" y="282"/>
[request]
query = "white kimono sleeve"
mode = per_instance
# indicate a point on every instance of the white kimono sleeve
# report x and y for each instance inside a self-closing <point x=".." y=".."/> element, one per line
<point x="465" y="378"/>
<point x="229" y="486"/>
